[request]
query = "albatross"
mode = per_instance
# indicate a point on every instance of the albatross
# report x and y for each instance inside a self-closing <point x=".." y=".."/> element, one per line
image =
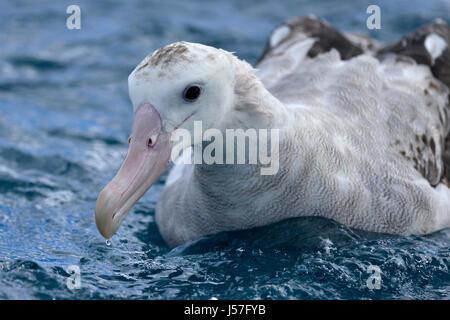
<point x="363" y="133"/>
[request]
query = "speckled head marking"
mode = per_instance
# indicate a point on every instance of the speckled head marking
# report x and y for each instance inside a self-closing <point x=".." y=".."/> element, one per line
<point x="170" y="54"/>
<point x="166" y="60"/>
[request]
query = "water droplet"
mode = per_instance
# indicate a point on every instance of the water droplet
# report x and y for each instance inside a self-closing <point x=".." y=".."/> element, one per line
<point x="108" y="242"/>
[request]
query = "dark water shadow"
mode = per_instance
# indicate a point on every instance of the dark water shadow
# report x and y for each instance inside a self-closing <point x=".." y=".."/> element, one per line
<point x="291" y="235"/>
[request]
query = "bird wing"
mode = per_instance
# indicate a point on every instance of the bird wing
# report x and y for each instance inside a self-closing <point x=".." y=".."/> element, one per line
<point x="401" y="101"/>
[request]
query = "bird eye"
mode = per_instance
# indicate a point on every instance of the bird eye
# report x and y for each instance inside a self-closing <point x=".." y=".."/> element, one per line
<point x="191" y="93"/>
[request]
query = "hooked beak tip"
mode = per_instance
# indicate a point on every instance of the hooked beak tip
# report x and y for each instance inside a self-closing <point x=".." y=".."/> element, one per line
<point x="104" y="216"/>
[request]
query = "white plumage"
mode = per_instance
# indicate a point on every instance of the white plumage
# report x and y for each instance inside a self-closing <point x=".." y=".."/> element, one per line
<point x="362" y="132"/>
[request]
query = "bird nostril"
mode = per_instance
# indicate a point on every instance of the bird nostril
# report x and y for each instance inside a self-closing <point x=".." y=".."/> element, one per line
<point x="151" y="141"/>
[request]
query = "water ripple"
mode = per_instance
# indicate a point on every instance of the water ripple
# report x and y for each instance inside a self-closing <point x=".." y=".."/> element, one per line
<point x="65" y="117"/>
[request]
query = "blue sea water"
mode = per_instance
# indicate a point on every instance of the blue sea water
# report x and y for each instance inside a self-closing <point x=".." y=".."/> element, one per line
<point x="64" y="121"/>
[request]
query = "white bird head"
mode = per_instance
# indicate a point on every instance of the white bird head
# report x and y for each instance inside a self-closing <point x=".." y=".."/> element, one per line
<point x="171" y="88"/>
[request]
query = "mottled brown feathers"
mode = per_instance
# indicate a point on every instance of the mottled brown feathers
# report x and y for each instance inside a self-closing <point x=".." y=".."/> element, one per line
<point x="170" y="54"/>
<point x="430" y="151"/>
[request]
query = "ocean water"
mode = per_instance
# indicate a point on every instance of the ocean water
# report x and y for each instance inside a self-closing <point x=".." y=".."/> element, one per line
<point x="64" y="121"/>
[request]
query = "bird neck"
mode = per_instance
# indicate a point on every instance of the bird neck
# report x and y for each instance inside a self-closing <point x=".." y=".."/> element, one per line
<point x="255" y="107"/>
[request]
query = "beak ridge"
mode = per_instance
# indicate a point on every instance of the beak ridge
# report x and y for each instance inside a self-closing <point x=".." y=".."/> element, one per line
<point x="147" y="159"/>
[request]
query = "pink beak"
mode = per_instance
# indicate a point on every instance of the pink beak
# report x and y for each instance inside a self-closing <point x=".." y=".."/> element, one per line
<point x="147" y="159"/>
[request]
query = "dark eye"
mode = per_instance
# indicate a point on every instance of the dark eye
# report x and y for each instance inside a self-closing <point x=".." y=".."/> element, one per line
<point x="191" y="93"/>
